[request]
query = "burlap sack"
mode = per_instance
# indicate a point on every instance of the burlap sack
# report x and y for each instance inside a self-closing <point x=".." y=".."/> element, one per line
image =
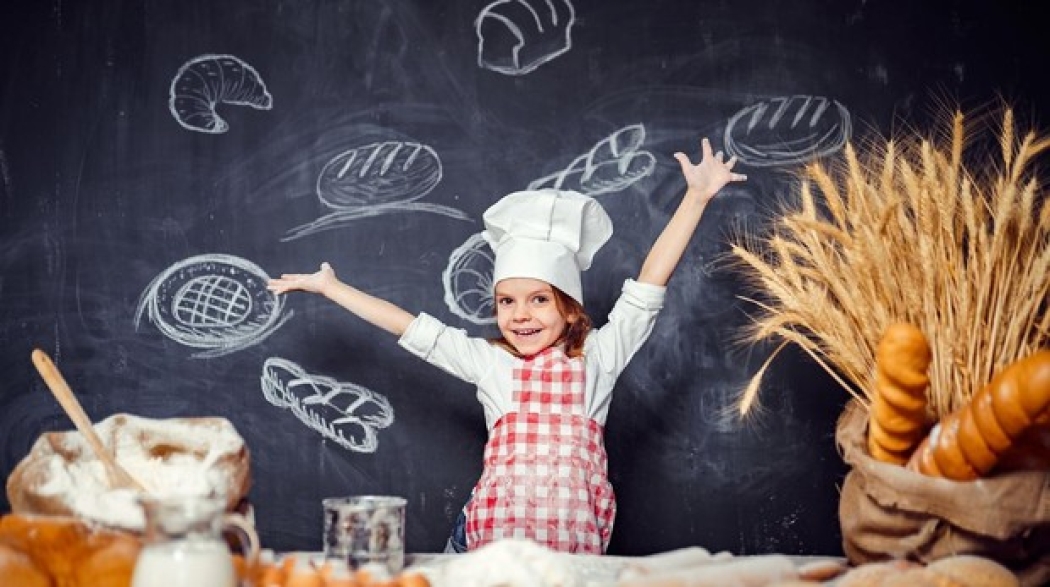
<point x="207" y="448"/>
<point x="887" y="511"/>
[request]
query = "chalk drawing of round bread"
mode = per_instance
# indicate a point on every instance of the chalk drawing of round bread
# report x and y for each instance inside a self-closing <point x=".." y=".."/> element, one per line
<point x="787" y="130"/>
<point x="379" y="173"/>
<point x="205" y="81"/>
<point x="348" y="414"/>
<point x="468" y="281"/>
<point x="212" y="301"/>
<point x="517" y="36"/>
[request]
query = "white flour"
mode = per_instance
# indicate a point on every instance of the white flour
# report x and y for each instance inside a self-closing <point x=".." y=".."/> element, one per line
<point x="84" y="486"/>
<point x="509" y="563"/>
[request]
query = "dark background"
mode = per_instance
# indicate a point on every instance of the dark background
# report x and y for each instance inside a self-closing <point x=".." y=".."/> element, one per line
<point x="101" y="191"/>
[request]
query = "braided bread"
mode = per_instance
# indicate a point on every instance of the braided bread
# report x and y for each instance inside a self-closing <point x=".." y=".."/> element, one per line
<point x="970" y="441"/>
<point x="897" y="419"/>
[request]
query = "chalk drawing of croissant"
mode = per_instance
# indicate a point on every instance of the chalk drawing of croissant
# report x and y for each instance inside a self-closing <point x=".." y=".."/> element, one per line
<point x="204" y="82"/>
<point x="467" y="280"/>
<point x="517" y="36"/>
<point x="613" y="164"/>
<point x="377" y="178"/>
<point x="348" y="414"/>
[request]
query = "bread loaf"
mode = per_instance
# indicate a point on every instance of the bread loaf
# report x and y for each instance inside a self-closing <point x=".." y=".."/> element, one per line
<point x="897" y="417"/>
<point x="18" y="568"/>
<point x="970" y="441"/>
<point x="1030" y="452"/>
<point x="71" y="552"/>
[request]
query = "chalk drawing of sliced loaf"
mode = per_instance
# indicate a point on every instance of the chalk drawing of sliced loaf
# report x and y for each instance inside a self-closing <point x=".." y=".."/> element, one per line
<point x="204" y="82"/>
<point x="517" y="36"/>
<point x="787" y="130"/>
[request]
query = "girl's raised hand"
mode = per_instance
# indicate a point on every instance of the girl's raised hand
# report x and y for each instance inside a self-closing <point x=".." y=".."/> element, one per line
<point x="310" y="282"/>
<point x="711" y="174"/>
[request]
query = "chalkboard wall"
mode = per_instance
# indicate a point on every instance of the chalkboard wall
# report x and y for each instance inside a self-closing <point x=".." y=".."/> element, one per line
<point x="158" y="159"/>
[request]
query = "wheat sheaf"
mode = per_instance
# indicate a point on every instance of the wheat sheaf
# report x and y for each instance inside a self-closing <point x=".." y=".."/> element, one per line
<point x="915" y="229"/>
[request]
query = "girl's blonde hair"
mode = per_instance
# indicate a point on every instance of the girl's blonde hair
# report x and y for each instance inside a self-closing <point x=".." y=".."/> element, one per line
<point x="575" y="333"/>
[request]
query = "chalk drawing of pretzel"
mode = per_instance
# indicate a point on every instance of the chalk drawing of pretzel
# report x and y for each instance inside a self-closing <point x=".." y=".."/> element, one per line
<point x="208" y="80"/>
<point x="348" y="414"/>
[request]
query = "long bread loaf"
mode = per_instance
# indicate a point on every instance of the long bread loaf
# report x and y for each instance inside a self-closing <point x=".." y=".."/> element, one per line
<point x="970" y="441"/>
<point x="1030" y="452"/>
<point x="897" y="418"/>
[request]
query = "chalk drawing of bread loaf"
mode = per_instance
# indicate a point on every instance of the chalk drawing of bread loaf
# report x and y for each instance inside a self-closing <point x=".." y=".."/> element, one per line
<point x="382" y="172"/>
<point x="787" y="130"/>
<point x="348" y="414"/>
<point x="208" y="80"/>
<point x="377" y="178"/>
<point x="517" y="36"/>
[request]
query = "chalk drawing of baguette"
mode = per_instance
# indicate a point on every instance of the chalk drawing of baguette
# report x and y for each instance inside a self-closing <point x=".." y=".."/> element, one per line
<point x="787" y="131"/>
<point x="373" y="179"/>
<point x="517" y="36"/>
<point x="204" y="82"/>
<point x="613" y="164"/>
<point x="346" y="413"/>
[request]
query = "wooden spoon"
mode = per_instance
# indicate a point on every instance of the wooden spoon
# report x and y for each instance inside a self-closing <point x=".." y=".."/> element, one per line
<point x="119" y="478"/>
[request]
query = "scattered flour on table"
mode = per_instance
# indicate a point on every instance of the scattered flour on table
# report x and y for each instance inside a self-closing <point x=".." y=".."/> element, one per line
<point x="516" y="563"/>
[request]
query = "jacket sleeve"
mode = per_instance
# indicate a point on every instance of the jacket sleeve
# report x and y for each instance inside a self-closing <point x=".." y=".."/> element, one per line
<point x="451" y="349"/>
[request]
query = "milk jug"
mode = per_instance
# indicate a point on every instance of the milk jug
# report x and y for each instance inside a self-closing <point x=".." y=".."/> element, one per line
<point x="184" y="545"/>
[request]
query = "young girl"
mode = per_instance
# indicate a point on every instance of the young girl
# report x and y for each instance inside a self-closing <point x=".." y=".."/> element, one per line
<point x="546" y="384"/>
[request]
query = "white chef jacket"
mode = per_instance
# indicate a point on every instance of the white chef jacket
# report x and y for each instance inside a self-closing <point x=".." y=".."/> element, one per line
<point x="607" y="351"/>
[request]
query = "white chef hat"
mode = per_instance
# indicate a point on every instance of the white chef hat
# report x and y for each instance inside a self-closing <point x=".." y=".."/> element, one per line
<point x="547" y="234"/>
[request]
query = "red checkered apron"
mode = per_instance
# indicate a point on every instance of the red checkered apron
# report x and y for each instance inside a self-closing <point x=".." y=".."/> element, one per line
<point x="545" y="475"/>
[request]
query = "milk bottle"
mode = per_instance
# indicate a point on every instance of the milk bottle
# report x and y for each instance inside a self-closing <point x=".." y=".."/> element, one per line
<point x="184" y="545"/>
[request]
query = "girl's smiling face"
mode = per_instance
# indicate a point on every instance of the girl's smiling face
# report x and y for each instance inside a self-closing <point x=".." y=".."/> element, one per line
<point x="527" y="314"/>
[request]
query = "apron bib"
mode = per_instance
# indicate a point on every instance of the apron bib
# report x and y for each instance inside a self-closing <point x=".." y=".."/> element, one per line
<point x="545" y="468"/>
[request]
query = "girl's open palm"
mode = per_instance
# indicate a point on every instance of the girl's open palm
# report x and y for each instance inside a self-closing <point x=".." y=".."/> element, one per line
<point x="309" y="282"/>
<point x="711" y="174"/>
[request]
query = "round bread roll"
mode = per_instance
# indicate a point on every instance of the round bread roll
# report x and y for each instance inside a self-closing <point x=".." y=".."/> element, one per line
<point x="974" y="571"/>
<point x="873" y="574"/>
<point x="918" y="577"/>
